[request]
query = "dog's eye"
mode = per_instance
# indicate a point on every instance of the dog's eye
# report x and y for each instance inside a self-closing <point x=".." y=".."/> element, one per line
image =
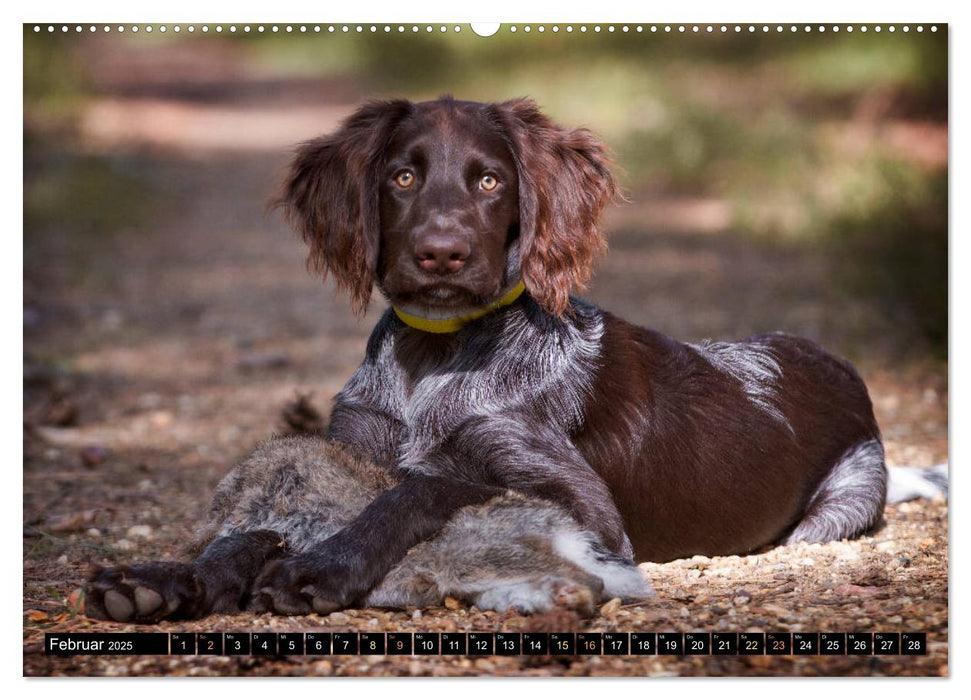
<point x="488" y="182"/>
<point x="405" y="179"/>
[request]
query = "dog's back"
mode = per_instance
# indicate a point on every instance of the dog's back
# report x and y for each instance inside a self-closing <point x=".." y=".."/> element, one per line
<point x="730" y="442"/>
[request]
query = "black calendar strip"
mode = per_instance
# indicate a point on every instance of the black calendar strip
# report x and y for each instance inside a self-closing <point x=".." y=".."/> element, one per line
<point x="489" y="643"/>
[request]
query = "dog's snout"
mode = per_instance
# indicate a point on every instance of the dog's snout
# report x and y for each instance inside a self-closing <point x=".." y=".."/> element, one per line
<point x="441" y="253"/>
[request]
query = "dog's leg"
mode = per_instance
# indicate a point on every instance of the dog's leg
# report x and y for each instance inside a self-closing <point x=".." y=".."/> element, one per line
<point x="218" y="580"/>
<point x="850" y="500"/>
<point x="531" y="457"/>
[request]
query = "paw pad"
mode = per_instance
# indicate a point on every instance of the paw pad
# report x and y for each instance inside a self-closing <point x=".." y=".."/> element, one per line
<point x="118" y="607"/>
<point x="147" y="601"/>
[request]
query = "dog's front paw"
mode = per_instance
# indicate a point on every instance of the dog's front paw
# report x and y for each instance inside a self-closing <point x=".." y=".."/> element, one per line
<point x="144" y="593"/>
<point x="308" y="583"/>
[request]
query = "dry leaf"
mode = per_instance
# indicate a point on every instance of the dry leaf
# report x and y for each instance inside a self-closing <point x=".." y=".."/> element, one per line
<point x="610" y="607"/>
<point x="75" y="601"/>
<point x="72" y="522"/>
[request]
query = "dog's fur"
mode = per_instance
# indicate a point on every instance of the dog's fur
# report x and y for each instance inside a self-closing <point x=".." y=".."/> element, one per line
<point x="623" y="443"/>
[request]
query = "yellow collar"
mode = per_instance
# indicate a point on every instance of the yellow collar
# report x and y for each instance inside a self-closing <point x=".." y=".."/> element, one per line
<point x="450" y="325"/>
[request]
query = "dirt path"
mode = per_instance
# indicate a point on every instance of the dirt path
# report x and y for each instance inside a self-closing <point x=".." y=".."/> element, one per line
<point x="159" y="355"/>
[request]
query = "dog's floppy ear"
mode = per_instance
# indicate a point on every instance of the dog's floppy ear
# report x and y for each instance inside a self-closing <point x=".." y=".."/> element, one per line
<point x="330" y="195"/>
<point x="564" y="184"/>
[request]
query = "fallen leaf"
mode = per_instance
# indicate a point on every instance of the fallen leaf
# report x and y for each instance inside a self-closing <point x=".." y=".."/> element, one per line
<point x="71" y="522"/>
<point x="610" y="607"/>
<point x="75" y="601"/>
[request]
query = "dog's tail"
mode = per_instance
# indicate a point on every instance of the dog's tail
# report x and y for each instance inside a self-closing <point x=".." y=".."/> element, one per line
<point x="908" y="483"/>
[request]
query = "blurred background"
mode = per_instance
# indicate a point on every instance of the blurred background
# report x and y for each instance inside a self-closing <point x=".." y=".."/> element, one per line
<point x="776" y="181"/>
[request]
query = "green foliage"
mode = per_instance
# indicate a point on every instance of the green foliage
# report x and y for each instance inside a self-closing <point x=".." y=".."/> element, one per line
<point x="54" y="81"/>
<point x="892" y="244"/>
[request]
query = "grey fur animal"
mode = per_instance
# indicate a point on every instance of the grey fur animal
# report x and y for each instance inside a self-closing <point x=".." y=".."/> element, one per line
<point x="292" y="493"/>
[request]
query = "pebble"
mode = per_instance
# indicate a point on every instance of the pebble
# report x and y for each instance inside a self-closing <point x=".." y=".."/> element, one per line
<point x="93" y="456"/>
<point x="848" y="589"/>
<point x="161" y="419"/>
<point x="338" y="618"/>
<point x="758" y="661"/>
<point x="610" y="607"/>
<point x="742" y="598"/>
<point x="124" y="544"/>
<point x="142" y="531"/>
<point x="112" y="319"/>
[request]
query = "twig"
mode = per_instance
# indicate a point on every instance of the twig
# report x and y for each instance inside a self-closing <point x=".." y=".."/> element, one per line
<point x="99" y="547"/>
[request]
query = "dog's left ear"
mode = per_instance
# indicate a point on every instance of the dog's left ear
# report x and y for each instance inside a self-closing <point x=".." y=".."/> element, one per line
<point x="330" y="195"/>
<point x="564" y="184"/>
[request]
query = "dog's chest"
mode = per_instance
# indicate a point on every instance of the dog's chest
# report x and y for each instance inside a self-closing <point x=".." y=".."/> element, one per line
<point x="432" y="386"/>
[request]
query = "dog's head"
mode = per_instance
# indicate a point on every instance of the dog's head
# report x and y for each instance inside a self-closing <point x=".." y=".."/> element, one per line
<point x="444" y="204"/>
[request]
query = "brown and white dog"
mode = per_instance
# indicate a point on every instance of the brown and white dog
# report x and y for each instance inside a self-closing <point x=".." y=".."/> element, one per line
<point x="476" y="221"/>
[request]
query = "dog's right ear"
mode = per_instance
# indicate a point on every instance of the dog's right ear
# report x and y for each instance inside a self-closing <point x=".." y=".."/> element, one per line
<point x="330" y="195"/>
<point x="564" y="184"/>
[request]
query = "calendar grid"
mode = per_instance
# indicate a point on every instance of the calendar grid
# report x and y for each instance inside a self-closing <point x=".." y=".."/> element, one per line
<point x="489" y="643"/>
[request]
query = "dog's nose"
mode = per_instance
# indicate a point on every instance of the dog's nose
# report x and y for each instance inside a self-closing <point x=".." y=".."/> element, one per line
<point x="442" y="253"/>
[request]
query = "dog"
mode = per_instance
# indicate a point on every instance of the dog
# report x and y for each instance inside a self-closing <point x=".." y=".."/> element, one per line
<point x="503" y="440"/>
